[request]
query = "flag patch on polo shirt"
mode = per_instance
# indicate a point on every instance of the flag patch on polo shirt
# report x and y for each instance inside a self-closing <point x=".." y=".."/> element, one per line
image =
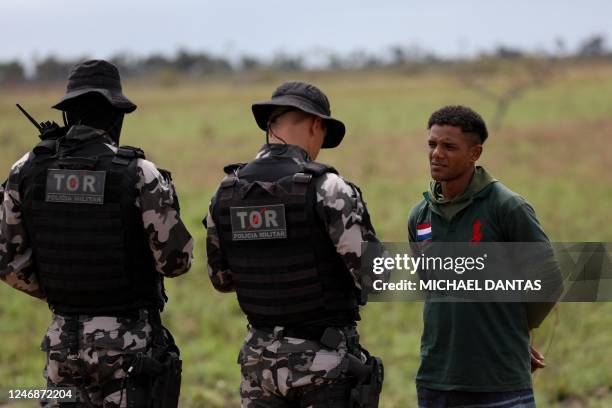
<point x="424" y="232"/>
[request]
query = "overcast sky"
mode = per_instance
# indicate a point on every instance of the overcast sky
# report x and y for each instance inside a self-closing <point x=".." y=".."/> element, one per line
<point x="33" y="29"/>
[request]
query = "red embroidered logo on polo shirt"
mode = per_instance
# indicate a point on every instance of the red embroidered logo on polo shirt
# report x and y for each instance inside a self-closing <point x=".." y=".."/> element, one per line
<point x="476" y="233"/>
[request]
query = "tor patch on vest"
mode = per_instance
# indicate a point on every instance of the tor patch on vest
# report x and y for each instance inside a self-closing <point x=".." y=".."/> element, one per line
<point x="258" y="222"/>
<point x="75" y="186"/>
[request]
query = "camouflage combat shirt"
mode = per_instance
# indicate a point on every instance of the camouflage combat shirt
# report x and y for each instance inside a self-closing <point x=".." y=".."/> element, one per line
<point x="169" y="240"/>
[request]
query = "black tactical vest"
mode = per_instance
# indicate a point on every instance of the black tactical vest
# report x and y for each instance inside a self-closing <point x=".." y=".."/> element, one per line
<point x="284" y="265"/>
<point x="89" y="246"/>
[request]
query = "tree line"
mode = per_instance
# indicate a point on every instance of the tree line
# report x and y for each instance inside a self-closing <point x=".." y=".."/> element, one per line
<point x="198" y="64"/>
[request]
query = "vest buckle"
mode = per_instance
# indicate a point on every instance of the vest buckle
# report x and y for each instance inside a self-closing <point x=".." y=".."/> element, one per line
<point x="228" y="182"/>
<point x="302" y="178"/>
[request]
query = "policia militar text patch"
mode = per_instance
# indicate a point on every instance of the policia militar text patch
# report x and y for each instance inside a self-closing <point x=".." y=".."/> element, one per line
<point x="258" y="222"/>
<point x="75" y="186"/>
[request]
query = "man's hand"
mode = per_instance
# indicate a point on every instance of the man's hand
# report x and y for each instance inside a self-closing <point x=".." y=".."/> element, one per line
<point x="537" y="360"/>
<point x="51" y="130"/>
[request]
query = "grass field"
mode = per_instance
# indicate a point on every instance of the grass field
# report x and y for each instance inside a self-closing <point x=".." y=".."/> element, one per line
<point x="554" y="150"/>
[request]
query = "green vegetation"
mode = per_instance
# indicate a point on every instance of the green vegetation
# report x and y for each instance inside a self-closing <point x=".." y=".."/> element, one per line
<point x="555" y="143"/>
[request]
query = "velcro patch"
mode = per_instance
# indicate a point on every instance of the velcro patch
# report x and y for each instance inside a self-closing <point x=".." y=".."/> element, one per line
<point x="258" y="222"/>
<point x="75" y="186"/>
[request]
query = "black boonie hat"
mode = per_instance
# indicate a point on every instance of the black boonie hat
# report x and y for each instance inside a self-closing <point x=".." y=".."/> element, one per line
<point x="96" y="76"/>
<point x="307" y="98"/>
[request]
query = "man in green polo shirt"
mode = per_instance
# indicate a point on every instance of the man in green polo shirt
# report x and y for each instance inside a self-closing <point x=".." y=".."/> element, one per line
<point x="472" y="354"/>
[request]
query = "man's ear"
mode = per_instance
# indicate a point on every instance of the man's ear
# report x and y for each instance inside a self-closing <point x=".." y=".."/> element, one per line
<point x="475" y="152"/>
<point x="314" y="125"/>
<point x="318" y="125"/>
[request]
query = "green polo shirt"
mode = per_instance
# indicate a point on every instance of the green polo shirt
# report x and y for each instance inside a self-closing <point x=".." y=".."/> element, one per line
<point x="476" y="346"/>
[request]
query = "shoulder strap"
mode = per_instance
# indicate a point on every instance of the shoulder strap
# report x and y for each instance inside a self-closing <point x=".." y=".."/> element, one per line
<point x="318" y="169"/>
<point x="232" y="168"/>
<point x="46" y="146"/>
<point x="226" y="188"/>
<point x="125" y="154"/>
<point x="14" y="179"/>
<point x="309" y="170"/>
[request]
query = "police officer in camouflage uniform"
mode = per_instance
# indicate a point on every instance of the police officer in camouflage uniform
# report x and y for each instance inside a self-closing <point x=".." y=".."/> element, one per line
<point x="285" y="233"/>
<point x="92" y="229"/>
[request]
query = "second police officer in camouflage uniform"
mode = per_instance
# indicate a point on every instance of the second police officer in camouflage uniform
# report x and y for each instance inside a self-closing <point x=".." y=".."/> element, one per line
<point x="92" y="229"/>
<point x="285" y="233"/>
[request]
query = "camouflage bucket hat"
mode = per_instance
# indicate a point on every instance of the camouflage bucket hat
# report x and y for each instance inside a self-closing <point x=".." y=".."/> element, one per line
<point x="307" y="98"/>
<point x="96" y="76"/>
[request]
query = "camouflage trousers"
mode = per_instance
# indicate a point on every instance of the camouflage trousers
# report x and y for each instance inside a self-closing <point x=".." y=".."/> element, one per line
<point x="283" y="372"/>
<point x="93" y="354"/>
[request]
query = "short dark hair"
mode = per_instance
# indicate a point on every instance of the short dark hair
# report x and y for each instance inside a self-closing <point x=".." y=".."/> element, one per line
<point x="462" y="117"/>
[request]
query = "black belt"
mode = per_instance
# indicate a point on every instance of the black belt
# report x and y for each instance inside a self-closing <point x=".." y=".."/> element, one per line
<point x="134" y="314"/>
<point x="299" y="332"/>
<point x="314" y="333"/>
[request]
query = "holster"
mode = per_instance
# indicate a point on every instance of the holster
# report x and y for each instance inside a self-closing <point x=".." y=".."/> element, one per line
<point x="368" y="377"/>
<point x="366" y="392"/>
<point x="167" y="385"/>
<point x="155" y="381"/>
